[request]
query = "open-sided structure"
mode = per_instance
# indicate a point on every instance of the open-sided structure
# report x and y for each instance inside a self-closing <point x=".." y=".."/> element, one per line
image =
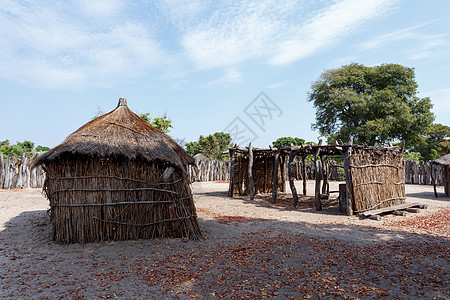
<point x="374" y="176"/>
<point x="443" y="161"/>
<point x="252" y="171"/>
<point x="118" y="178"/>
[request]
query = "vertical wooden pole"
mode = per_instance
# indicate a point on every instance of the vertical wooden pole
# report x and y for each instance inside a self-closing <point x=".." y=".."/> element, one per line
<point x="433" y="180"/>
<point x="283" y="172"/>
<point x="2" y="170"/>
<point x="6" y="180"/>
<point x="241" y="175"/>
<point x="446" y="181"/>
<point x="317" y="200"/>
<point x="324" y="169"/>
<point x="276" y="161"/>
<point x="348" y="179"/>
<point x="291" y="178"/>
<point x="231" y="187"/>
<point x="304" y="173"/>
<point x="250" y="172"/>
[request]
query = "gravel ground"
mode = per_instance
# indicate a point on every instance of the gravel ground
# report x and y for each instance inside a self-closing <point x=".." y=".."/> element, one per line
<point x="253" y="250"/>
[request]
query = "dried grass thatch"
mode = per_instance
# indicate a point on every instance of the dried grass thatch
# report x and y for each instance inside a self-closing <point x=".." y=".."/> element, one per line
<point x="443" y="160"/>
<point x="118" y="178"/>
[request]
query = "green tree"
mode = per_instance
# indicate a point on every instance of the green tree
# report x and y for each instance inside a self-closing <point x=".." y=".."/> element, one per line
<point x="211" y="146"/>
<point x="18" y="149"/>
<point x="161" y="123"/>
<point x="435" y="142"/>
<point x="287" y="141"/>
<point x="373" y="104"/>
<point x="411" y="155"/>
<point x="40" y="148"/>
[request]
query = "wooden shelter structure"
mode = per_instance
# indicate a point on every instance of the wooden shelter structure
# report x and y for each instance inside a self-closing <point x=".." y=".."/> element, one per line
<point x="374" y="176"/>
<point x="118" y="178"/>
<point x="445" y="162"/>
<point x="254" y="171"/>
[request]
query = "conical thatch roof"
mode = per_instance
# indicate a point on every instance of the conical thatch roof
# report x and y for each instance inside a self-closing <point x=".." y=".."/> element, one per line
<point x="443" y="160"/>
<point x="120" y="134"/>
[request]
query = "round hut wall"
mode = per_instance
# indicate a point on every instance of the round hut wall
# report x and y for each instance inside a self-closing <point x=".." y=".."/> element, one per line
<point x="95" y="199"/>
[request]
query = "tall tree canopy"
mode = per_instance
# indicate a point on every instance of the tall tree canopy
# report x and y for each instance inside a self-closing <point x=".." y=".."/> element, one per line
<point x="211" y="146"/>
<point x="435" y="142"/>
<point x="27" y="147"/>
<point x="373" y="104"/>
<point x="287" y="141"/>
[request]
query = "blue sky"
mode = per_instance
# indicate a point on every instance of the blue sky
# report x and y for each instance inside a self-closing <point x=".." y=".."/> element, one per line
<point x="204" y="63"/>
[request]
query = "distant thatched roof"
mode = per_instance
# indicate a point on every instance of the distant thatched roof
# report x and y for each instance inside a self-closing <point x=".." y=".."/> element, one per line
<point x="443" y="160"/>
<point x="120" y="134"/>
<point x="200" y="157"/>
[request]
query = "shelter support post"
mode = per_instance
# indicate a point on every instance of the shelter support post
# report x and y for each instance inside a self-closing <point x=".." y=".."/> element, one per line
<point x="304" y="174"/>
<point x="291" y="178"/>
<point x="325" y="174"/>
<point x="250" y="172"/>
<point x="317" y="200"/>
<point x="275" y="175"/>
<point x="348" y="179"/>
<point x="433" y="180"/>
<point x="232" y="162"/>
<point x="283" y="172"/>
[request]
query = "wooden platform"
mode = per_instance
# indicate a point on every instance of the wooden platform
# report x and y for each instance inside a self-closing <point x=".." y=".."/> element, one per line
<point x="392" y="209"/>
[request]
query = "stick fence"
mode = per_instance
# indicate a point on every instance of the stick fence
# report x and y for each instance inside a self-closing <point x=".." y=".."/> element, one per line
<point x="16" y="173"/>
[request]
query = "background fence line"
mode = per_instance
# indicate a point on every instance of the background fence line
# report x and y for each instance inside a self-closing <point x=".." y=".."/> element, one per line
<point x="16" y="173"/>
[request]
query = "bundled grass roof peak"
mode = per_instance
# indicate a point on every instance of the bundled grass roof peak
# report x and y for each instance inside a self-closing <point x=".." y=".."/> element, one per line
<point x="120" y="134"/>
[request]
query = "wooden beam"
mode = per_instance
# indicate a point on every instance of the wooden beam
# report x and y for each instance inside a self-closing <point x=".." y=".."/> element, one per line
<point x="2" y="173"/>
<point x="433" y="180"/>
<point x="348" y="179"/>
<point x="241" y="177"/>
<point x="324" y="171"/>
<point x="304" y="174"/>
<point x="283" y="172"/>
<point x="317" y="200"/>
<point x="275" y="175"/>
<point x="232" y="161"/>
<point x="250" y="172"/>
<point x="291" y="179"/>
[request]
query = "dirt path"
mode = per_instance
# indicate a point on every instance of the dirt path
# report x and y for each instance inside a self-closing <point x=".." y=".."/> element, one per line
<point x="253" y="250"/>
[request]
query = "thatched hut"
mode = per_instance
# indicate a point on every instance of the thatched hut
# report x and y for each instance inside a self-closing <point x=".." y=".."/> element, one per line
<point x="444" y="161"/>
<point x="118" y="178"/>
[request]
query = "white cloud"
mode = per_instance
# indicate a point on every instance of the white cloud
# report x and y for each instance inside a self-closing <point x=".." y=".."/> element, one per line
<point x="282" y="32"/>
<point x="95" y="43"/>
<point x="441" y="102"/>
<point x="277" y="84"/>
<point x="231" y="76"/>
<point x="424" y="44"/>
<point x="328" y="27"/>
<point x="56" y="49"/>
<point x="101" y="8"/>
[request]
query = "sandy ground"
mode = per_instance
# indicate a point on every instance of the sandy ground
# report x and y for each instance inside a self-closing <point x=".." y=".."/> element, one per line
<point x="252" y="250"/>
